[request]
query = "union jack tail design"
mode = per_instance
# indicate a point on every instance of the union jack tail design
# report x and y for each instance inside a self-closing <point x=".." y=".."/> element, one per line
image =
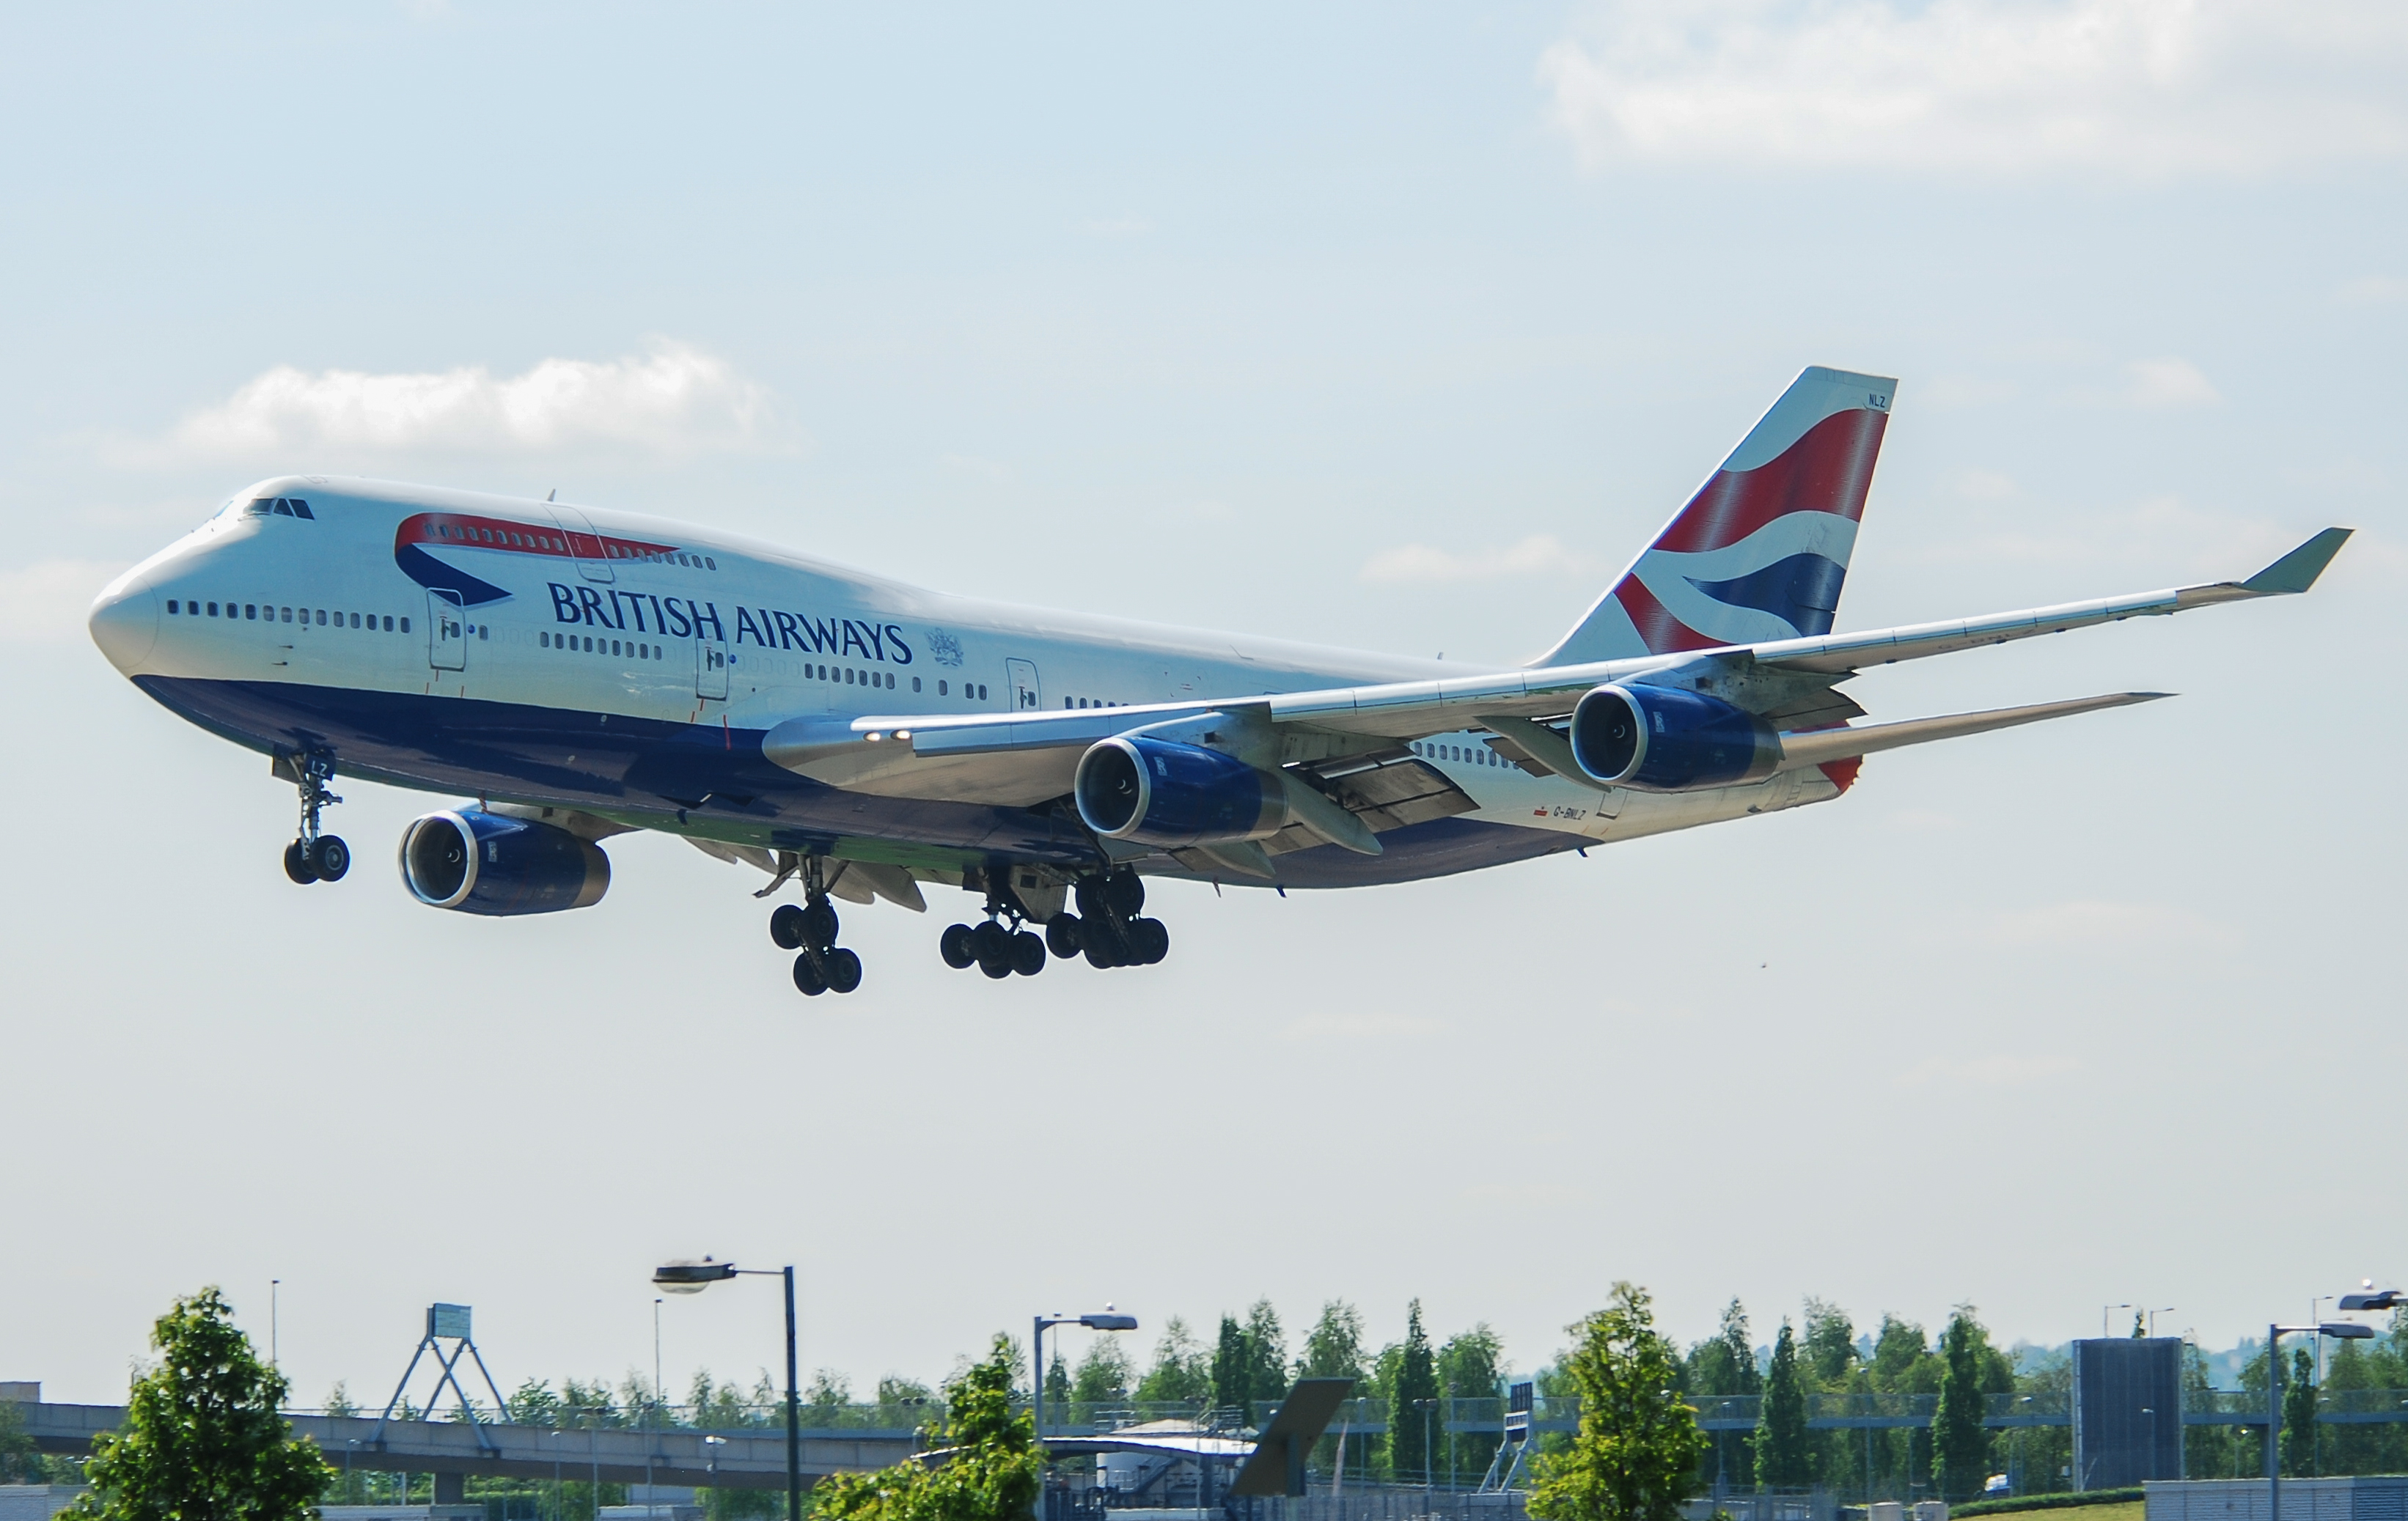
<point x="1760" y="551"/>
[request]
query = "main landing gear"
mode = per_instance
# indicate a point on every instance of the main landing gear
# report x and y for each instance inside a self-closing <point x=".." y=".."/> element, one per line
<point x="315" y="856"/>
<point x="1107" y="930"/>
<point x="821" y="965"/>
<point x="991" y="947"/>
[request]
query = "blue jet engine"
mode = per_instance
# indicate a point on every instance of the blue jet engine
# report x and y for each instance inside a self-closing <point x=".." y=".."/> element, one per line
<point x="488" y="863"/>
<point x="1662" y="739"/>
<point x="1154" y="792"/>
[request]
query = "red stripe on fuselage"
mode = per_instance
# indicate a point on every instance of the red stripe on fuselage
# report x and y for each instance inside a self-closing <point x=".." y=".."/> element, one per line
<point x="1828" y="469"/>
<point x="466" y="531"/>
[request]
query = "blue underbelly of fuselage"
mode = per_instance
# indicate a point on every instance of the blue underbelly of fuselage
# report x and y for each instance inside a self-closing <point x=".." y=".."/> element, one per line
<point x="716" y="782"/>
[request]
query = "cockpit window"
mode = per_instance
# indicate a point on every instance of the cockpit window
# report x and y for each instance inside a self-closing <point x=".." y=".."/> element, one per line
<point x="280" y="506"/>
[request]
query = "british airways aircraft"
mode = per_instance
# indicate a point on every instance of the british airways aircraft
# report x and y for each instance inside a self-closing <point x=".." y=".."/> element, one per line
<point x="584" y="672"/>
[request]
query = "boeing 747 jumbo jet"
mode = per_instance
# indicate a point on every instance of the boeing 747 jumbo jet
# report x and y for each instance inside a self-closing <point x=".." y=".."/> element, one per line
<point x="584" y="672"/>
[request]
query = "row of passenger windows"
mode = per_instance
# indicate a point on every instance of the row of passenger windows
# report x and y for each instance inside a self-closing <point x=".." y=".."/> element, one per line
<point x="1474" y="755"/>
<point x="600" y="646"/>
<point x="254" y="611"/>
<point x="1089" y="701"/>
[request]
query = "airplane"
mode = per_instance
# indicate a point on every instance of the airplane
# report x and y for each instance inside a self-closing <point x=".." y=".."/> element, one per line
<point x="584" y="672"/>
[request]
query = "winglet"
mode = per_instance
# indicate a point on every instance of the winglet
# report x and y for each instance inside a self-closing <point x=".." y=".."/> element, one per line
<point x="2297" y="571"/>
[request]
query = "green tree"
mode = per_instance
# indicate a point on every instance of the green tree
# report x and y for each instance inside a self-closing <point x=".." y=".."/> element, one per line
<point x="1635" y="1457"/>
<point x="1960" y="1448"/>
<point x="1232" y="1389"/>
<point x="992" y="1472"/>
<point x="1782" y="1454"/>
<point x="2299" y="1418"/>
<point x="1411" y="1420"/>
<point x="1182" y="1370"/>
<point x="1104" y="1375"/>
<point x="1469" y="1368"/>
<point x="203" y="1438"/>
<point x="21" y="1460"/>
<point x="1265" y="1348"/>
<point x="1334" y="1347"/>
<point x="1830" y="1344"/>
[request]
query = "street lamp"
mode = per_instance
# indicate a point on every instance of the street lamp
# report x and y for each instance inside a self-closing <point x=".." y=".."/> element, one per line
<point x="2102" y="1317"/>
<point x="687" y="1276"/>
<point x="1110" y="1319"/>
<point x="2344" y="1331"/>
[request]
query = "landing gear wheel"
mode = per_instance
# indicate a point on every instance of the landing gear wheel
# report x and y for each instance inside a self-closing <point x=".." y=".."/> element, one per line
<point x="1150" y="940"/>
<point x="1027" y="954"/>
<point x="819" y="923"/>
<point x="1101" y="954"/>
<point x="296" y="864"/>
<point x="1125" y="891"/>
<point x="954" y="946"/>
<point x="807" y="978"/>
<point x="786" y="927"/>
<point x="330" y="858"/>
<point x="1061" y="935"/>
<point x="843" y="971"/>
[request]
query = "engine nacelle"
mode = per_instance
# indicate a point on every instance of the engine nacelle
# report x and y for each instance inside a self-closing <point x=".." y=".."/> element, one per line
<point x="1662" y="739"/>
<point x="481" y="862"/>
<point x="1155" y="792"/>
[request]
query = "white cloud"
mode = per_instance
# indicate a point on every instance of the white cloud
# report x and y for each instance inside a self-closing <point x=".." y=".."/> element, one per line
<point x="2145" y="86"/>
<point x="674" y="399"/>
<point x="2168" y="382"/>
<point x="1540" y="554"/>
<point x="46" y="602"/>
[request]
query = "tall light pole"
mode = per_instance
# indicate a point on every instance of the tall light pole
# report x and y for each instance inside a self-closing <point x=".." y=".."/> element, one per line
<point x="686" y="1276"/>
<point x="1110" y="1319"/>
<point x="2153" y="1318"/>
<point x="2103" y="1310"/>
<point x="2345" y="1331"/>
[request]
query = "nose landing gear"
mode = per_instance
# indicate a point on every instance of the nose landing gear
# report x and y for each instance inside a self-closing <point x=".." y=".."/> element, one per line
<point x="315" y="856"/>
<point x="821" y="965"/>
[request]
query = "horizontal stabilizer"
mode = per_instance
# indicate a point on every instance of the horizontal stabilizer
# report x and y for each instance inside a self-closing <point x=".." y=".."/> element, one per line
<point x="1819" y="746"/>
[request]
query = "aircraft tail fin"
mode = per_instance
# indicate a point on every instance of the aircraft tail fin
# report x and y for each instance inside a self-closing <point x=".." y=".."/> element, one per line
<point x="1762" y="549"/>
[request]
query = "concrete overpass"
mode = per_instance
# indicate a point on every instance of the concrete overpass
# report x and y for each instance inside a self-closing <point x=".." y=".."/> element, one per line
<point x="750" y="1459"/>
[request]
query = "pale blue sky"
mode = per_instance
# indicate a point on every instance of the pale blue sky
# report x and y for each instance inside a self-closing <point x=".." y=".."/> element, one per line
<point x="1399" y="327"/>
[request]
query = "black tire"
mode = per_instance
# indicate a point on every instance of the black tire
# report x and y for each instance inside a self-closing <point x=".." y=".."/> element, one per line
<point x="1125" y="891"/>
<point x="1089" y="893"/>
<point x="1061" y="935"/>
<point x="819" y="924"/>
<point x="1028" y="953"/>
<point x="786" y="927"/>
<point x="1103" y="948"/>
<point x="807" y="976"/>
<point x="990" y="941"/>
<point x="1150" y="939"/>
<point x="954" y="946"/>
<point x="330" y="858"/>
<point x="296" y="864"/>
<point x="843" y="971"/>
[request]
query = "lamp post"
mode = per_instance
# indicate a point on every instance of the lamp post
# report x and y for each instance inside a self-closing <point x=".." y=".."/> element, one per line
<point x="686" y="1276"/>
<point x="2102" y="1317"/>
<point x="2345" y="1331"/>
<point x="1110" y="1319"/>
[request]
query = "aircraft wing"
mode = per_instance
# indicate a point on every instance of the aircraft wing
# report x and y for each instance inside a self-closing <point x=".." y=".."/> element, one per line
<point x="1028" y="757"/>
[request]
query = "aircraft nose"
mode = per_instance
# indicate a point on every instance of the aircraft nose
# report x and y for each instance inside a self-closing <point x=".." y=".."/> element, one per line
<point x="124" y="623"/>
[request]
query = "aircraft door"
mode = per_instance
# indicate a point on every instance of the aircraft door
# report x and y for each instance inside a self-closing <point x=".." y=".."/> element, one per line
<point x="584" y="545"/>
<point x="710" y="669"/>
<point x="1023" y="677"/>
<point x="447" y="632"/>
